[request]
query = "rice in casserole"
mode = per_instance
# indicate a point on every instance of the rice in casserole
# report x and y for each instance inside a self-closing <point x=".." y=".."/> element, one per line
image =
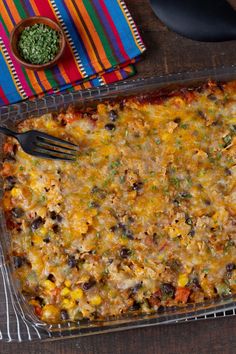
<point x="145" y="216"/>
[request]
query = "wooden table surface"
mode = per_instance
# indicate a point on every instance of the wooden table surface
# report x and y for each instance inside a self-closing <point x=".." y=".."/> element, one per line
<point x="166" y="52"/>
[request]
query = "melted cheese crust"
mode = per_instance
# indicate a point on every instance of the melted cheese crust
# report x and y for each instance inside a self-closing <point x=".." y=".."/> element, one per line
<point x="144" y="217"/>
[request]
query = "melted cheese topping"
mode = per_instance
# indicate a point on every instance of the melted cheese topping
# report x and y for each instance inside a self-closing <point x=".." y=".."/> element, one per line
<point x="144" y="217"/>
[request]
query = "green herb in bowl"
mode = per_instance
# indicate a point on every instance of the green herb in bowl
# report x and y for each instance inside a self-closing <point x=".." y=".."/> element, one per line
<point x="38" y="44"/>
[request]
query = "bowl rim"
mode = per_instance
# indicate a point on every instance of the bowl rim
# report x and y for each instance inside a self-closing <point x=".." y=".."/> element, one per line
<point x="47" y="22"/>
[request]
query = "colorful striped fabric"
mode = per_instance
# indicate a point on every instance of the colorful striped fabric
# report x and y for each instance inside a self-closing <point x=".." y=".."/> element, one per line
<point x="102" y="44"/>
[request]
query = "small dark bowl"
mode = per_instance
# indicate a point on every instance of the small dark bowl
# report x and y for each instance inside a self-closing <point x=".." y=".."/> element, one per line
<point x="28" y="22"/>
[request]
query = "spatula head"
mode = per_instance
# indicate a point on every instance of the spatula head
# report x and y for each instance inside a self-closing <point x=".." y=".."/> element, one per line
<point x="202" y="20"/>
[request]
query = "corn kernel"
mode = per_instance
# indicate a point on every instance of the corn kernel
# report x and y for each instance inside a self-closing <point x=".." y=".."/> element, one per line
<point x="96" y="300"/>
<point x="15" y="192"/>
<point x="50" y="313"/>
<point x="123" y="241"/>
<point x="68" y="304"/>
<point x="37" y="240"/>
<point x="112" y="294"/>
<point x="68" y="283"/>
<point x="174" y="232"/>
<point x="33" y="302"/>
<point x="43" y="231"/>
<point x="42" y="212"/>
<point x="49" y="285"/>
<point x="33" y="174"/>
<point x="110" y="236"/>
<point x="76" y="294"/>
<point x="65" y="291"/>
<point x="182" y="280"/>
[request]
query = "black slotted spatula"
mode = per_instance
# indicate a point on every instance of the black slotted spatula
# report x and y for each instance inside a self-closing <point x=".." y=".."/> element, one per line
<point x="202" y="20"/>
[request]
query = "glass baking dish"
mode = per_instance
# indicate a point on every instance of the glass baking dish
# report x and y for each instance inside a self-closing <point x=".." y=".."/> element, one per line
<point x="17" y="320"/>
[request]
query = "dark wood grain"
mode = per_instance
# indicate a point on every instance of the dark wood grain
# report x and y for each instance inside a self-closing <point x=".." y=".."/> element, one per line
<point x="166" y="53"/>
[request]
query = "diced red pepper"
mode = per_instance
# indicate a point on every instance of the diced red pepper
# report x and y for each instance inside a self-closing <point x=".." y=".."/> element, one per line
<point x="55" y="293"/>
<point x="6" y="169"/>
<point x="38" y="310"/>
<point x="182" y="294"/>
<point x="155" y="299"/>
<point x="8" y="148"/>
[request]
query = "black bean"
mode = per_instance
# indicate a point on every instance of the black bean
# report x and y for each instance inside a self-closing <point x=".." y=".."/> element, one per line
<point x="114" y="228"/>
<point x="201" y="114"/>
<point x="51" y="278"/>
<point x="230" y="267"/>
<point x="121" y="226"/>
<point x="113" y="115"/>
<point x="18" y="261"/>
<point x="59" y="218"/>
<point x="216" y="122"/>
<point x="40" y="300"/>
<point x="228" y="172"/>
<point x="17" y="212"/>
<point x="135" y="307"/>
<point x="129" y="234"/>
<point x="55" y="216"/>
<point x="167" y="289"/>
<point x="125" y="252"/>
<point x="10" y="182"/>
<point x="9" y="157"/>
<point x="37" y="223"/>
<point x="137" y="186"/>
<point x="177" y="120"/>
<point x="88" y="285"/>
<point x="95" y="189"/>
<point x="64" y="315"/>
<point x="207" y="202"/>
<point x="212" y="97"/>
<point x="195" y="282"/>
<point x="135" y="289"/>
<point x="191" y="232"/>
<point x="71" y="261"/>
<point x="160" y="309"/>
<point x="125" y="231"/>
<point x="46" y="239"/>
<point x="110" y="126"/>
<point x="56" y="228"/>
<point x="131" y="219"/>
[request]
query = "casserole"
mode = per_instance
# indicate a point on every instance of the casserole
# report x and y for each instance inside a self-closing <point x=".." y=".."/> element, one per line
<point x="143" y="86"/>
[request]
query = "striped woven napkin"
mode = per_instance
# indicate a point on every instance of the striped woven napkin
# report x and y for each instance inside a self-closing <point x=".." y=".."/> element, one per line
<point x="102" y="44"/>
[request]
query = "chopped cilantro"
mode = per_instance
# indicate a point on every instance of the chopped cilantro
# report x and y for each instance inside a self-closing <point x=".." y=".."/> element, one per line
<point x="184" y="126"/>
<point x="227" y="140"/>
<point x="122" y="179"/>
<point x="185" y="195"/>
<point x="175" y="181"/>
<point x="233" y="128"/>
<point x="38" y="44"/>
<point x="114" y="164"/>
